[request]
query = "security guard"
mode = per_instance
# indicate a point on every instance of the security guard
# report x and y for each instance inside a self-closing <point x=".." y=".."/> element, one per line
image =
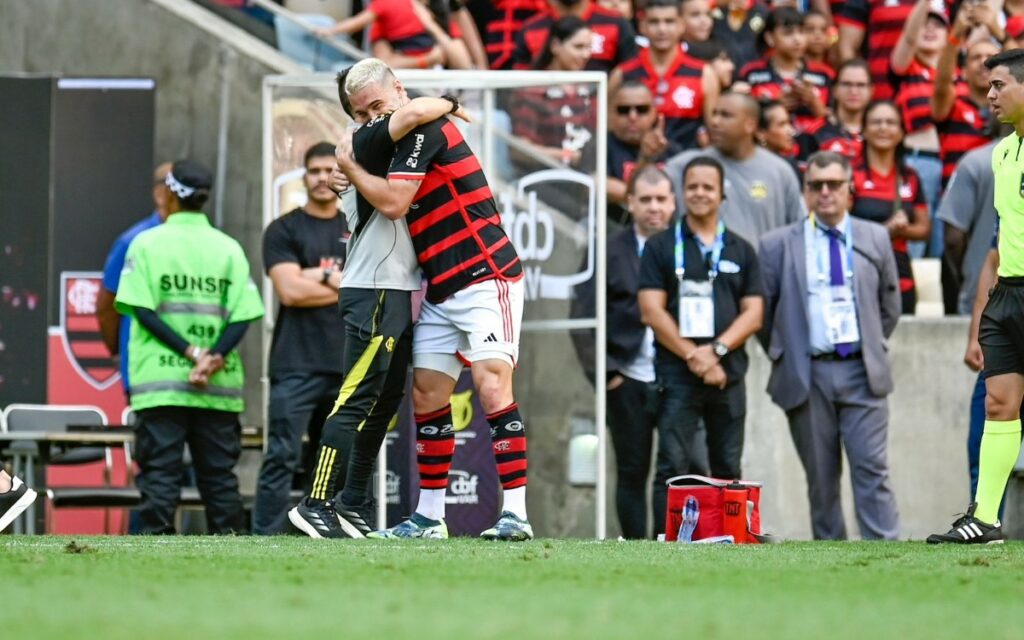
<point x="188" y="290"/>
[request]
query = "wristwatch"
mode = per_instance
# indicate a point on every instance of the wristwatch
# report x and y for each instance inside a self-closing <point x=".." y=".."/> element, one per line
<point x="719" y="348"/>
<point x="453" y="99"/>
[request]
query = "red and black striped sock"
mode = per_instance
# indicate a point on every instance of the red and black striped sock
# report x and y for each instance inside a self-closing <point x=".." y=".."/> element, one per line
<point x="435" y="446"/>
<point x="508" y="439"/>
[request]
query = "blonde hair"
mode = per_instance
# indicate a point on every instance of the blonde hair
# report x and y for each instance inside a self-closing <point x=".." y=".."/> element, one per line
<point x="365" y="73"/>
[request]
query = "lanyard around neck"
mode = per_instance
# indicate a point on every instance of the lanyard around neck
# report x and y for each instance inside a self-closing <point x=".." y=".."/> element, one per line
<point x="716" y="251"/>
<point x="823" y="269"/>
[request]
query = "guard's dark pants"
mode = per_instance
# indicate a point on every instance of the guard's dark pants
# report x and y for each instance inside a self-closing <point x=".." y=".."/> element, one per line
<point x="300" y="401"/>
<point x="215" y="440"/>
<point x="684" y="405"/>
<point x="378" y="351"/>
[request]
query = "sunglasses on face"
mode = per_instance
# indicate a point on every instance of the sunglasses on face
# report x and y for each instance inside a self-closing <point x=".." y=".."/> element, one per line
<point x="625" y="109"/>
<point x="818" y="186"/>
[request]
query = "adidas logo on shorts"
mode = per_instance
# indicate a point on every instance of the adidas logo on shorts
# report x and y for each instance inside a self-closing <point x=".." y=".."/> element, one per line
<point x="490" y="338"/>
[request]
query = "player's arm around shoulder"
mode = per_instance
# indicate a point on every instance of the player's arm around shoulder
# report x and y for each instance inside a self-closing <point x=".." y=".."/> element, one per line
<point x="423" y="110"/>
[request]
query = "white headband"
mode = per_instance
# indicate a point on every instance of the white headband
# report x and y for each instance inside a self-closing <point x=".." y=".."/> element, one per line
<point x="180" y="190"/>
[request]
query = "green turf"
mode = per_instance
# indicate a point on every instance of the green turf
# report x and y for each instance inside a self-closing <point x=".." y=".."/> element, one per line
<point x="290" y="587"/>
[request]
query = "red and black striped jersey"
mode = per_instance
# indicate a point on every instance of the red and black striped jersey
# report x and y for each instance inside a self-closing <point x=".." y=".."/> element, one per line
<point x="882" y="21"/>
<point x="499" y="21"/>
<point x="766" y="84"/>
<point x="826" y="135"/>
<point x="874" y="197"/>
<point x="914" y="89"/>
<point x="614" y="39"/>
<point x="453" y="219"/>
<point x="397" y="23"/>
<point x="678" y="95"/>
<point x="965" y="128"/>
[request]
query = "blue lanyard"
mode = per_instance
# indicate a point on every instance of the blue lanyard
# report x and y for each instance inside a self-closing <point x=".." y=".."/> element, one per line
<point x="823" y="269"/>
<point x="716" y="251"/>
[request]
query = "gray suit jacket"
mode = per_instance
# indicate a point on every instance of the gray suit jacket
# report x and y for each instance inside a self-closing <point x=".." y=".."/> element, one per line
<point x="785" y="334"/>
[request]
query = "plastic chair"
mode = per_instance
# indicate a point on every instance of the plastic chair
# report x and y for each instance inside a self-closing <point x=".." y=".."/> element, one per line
<point x="53" y="419"/>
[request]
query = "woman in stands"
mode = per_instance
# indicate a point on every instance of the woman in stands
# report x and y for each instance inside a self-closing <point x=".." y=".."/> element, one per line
<point x="840" y="131"/>
<point x="887" y="190"/>
<point x="558" y="120"/>
<point x="775" y="133"/>
<point x="406" y="34"/>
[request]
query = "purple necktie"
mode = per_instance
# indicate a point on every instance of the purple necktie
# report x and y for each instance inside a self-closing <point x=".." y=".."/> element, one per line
<point x="835" y="259"/>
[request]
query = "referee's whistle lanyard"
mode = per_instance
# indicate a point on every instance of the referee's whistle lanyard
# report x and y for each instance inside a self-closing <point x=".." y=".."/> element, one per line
<point x="716" y="253"/>
<point x="822" y="259"/>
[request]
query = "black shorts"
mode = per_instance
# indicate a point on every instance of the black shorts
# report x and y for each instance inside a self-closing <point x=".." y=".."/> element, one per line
<point x="1001" y="330"/>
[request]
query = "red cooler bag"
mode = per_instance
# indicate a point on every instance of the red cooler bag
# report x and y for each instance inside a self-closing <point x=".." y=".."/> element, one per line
<point x="727" y="507"/>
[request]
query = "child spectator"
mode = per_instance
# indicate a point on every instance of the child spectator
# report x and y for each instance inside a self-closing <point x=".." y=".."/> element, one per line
<point x="715" y="54"/>
<point x="697" y="21"/>
<point x="783" y="74"/>
<point x="819" y="35"/>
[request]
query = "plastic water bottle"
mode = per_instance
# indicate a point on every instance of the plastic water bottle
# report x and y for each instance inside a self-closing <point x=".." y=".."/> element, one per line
<point x="691" y="512"/>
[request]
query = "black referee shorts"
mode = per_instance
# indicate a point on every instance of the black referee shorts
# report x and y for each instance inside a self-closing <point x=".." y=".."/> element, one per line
<point x="1001" y="330"/>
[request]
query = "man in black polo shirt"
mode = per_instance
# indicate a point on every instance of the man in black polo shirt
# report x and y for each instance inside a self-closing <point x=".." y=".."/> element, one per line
<point x="700" y="293"/>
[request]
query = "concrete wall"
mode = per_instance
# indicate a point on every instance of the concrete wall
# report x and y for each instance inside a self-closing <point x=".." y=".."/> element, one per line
<point x="196" y="59"/>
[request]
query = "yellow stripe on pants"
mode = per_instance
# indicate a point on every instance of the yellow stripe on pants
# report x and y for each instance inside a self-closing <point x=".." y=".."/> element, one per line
<point x="358" y="373"/>
<point x="323" y="472"/>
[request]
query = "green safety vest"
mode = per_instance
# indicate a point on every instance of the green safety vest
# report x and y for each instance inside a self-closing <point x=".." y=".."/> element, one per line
<point x="196" y="278"/>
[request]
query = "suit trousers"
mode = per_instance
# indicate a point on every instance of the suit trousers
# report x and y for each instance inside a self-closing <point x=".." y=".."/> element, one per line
<point x="215" y="440"/>
<point x="841" y="413"/>
<point x="632" y="419"/>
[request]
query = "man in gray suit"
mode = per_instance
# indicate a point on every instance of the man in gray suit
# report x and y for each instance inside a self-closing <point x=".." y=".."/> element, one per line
<point x="831" y="302"/>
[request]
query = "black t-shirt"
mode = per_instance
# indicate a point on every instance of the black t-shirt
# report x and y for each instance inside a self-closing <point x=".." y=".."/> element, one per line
<point x="738" y="277"/>
<point x="306" y="338"/>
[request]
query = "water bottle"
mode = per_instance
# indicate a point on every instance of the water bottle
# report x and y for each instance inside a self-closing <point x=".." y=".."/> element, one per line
<point x="691" y="512"/>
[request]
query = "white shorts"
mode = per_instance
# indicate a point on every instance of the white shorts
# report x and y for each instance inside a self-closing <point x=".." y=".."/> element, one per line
<point x="480" y="322"/>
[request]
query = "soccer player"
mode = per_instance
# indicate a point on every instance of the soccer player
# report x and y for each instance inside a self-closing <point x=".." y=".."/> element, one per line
<point x="474" y="300"/>
<point x="380" y="274"/>
<point x="1001" y="329"/>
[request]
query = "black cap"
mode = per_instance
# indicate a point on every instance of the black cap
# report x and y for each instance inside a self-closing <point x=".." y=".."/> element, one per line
<point x="193" y="175"/>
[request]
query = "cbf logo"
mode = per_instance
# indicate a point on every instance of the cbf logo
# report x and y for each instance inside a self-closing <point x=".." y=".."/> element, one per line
<point x="535" y="228"/>
<point x="462" y="488"/>
<point x="80" y="329"/>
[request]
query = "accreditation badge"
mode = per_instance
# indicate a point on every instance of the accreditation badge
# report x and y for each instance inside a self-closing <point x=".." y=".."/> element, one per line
<point x="841" y="316"/>
<point x="696" y="309"/>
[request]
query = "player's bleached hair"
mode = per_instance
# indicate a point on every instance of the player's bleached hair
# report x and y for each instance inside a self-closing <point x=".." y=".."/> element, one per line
<point x="366" y="73"/>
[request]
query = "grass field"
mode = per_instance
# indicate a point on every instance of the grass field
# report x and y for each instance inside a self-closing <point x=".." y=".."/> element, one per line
<point x="290" y="587"/>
